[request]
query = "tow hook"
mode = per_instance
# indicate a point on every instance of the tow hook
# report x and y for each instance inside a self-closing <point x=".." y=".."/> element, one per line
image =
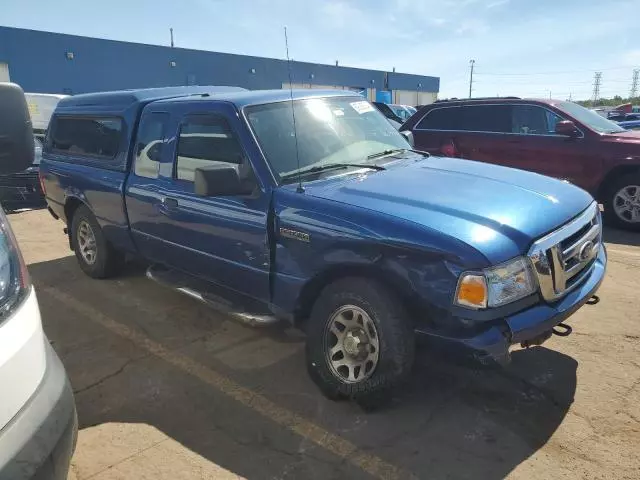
<point x="564" y="330"/>
<point x="593" y="300"/>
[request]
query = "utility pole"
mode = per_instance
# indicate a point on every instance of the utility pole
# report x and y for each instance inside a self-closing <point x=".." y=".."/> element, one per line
<point x="471" y="63"/>
<point x="171" y="33"/>
<point x="597" y="80"/>
<point x="634" y="83"/>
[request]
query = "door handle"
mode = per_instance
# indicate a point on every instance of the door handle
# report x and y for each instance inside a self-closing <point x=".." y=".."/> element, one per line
<point x="169" y="203"/>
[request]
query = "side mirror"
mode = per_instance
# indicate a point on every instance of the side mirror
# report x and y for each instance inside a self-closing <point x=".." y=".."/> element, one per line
<point x="16" y="132"/>
<point x="223" y="179"/>
<point x="408" y="134"/>
<point x="567" y="128"/>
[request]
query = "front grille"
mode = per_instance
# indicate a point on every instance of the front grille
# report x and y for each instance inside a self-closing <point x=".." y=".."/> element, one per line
<point x="565" y="257"/>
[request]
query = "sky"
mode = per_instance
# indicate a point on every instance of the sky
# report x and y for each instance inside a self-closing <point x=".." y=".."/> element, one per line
<point x="535" y="48"/>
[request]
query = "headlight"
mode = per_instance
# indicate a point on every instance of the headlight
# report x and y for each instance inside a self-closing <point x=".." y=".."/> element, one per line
<point x="495" y="286"/>
<point x="14" y="278"/>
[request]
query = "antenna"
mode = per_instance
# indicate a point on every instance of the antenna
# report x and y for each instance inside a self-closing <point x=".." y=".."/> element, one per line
<point x="300" y="188"/>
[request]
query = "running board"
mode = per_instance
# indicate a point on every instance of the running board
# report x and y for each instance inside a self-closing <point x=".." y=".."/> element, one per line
<point x="235" y="305"/>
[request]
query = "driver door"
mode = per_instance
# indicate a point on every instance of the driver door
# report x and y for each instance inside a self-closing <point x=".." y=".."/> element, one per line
<point x="536" y="147"/>
<point x="222" y="239"/>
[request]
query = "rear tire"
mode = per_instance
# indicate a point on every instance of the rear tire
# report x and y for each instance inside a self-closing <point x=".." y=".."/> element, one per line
<point x="96" y="256"/>
<point x="622" y="203"/>
<point x="376" y="334"/>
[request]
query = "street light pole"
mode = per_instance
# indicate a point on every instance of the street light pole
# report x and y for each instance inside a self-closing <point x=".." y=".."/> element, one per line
<point x="472" y="63"/>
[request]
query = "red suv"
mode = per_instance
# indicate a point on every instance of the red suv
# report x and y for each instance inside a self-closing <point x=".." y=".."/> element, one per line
<point x="552" y="137"/>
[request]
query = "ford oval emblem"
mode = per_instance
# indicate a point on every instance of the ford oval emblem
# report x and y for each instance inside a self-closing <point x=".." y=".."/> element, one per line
<point x="585" y="251"/>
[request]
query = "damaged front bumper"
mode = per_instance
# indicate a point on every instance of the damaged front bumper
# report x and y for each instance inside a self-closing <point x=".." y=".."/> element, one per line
<point x="535" y="324"/>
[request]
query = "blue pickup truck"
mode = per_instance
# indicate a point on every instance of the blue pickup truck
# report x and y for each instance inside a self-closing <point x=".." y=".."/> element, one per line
<point x="309" y="206"/>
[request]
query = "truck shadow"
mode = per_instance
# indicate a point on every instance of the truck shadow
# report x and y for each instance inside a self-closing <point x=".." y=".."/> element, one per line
<point x="621" y="237"/>
<point x="452" y="420"/>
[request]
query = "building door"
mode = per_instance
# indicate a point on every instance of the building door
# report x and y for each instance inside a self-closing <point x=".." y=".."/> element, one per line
<point x="4" y="72"/>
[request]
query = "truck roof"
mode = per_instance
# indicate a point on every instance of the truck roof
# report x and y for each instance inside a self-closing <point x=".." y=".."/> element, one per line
<point x="124" y="99"/>
<point x="257" y="97"/>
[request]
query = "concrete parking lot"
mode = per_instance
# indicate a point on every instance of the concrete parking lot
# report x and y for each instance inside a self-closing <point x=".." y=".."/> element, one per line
<point x="168" y="389"/>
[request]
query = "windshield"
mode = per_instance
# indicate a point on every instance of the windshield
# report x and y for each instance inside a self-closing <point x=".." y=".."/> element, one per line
<point x="329" y="130"/>
<point x="590" y="118"/>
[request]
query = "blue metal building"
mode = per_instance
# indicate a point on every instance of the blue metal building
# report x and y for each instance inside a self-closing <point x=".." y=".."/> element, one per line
<point x="45" y="62"/>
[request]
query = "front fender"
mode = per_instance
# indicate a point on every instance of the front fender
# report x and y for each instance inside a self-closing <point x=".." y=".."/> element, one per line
<point x="317" y="241"/>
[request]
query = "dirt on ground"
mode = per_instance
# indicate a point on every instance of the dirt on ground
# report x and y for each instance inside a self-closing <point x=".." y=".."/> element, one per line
<point x="169" y="389"/>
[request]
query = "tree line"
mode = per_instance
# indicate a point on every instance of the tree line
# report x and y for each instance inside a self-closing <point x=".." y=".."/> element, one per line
<point x="609" y="102"/>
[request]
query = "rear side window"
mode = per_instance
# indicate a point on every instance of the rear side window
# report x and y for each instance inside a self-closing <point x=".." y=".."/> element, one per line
<point x="469" y="118"/>
<point x="149" y="144"/>
<point x="485" y="118"/>
<point x="441" y="119"/>
<point x="205" y="139"/>
<point x="92" y="136"/>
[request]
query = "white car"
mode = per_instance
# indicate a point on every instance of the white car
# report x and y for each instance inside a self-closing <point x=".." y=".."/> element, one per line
<point x="38" y="424"/>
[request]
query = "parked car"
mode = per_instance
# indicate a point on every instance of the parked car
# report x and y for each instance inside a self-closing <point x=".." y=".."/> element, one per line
<point x="556" y="138"/>
<point x="388" y="112"/>
<point x="402" y="111"/>
<point x="333" y="223"/>
<point x="41" y="107"/>
<point x="631" y="116"/>
<point x="38" y="423"/>
<point x="630" y="124"/>
<point x="21" y="190"/>
<point x="616" y="115"/>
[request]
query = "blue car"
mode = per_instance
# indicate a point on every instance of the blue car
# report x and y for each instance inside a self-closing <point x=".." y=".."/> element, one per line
<point x="630" y="124"/>
<point x="332" y="222"/>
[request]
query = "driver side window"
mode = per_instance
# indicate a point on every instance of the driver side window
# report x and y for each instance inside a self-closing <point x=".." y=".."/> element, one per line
<point x="205" y="139"/>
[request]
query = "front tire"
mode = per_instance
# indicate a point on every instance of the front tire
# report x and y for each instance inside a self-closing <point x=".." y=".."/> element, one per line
<point x="96" y="256"/>
<point x="622" y="203"/>
<point x="360" y="341"/>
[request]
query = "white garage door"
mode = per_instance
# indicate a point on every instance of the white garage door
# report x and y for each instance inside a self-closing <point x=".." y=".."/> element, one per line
<point x="4" y="72"/>
<point x="408" y="97"/>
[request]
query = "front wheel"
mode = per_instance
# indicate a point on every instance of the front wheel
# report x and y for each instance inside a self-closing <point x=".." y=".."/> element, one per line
<point x="95" y="254"/>
<point x="360" y="341"/>
<point x="622" y="203"/>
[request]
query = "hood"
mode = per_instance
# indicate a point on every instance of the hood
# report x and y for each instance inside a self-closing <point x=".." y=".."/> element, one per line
<point x="497" y="210"/>
<point x="626" y="137"/>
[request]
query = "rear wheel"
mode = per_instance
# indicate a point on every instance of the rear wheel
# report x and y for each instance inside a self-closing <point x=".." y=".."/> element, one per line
<point x="95" y="254"/>
<point x="360" y="342"/>
<point x="622" y="202"/>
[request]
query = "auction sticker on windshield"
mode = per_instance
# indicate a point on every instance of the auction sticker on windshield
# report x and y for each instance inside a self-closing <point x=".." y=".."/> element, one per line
<point x="362" y="107"/>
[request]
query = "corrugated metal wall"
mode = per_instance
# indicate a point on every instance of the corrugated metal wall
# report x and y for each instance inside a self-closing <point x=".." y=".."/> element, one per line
<point x="56" y="63"/>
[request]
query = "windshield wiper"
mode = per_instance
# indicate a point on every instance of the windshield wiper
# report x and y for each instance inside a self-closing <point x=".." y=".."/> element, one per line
<point x="330" y="166"/>
<point x="384" y="153"/>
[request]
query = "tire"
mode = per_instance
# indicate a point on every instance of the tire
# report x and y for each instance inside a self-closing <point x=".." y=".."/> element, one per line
<point x="392" y="327"/>
<point x="106" y="260"/>
<point x="612" y="199"/>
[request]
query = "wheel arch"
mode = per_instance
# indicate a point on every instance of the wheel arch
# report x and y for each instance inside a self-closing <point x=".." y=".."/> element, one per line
<point x="71" y="205"/>
<point x="612" y="175"/>
<point x="312" y="288"/>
